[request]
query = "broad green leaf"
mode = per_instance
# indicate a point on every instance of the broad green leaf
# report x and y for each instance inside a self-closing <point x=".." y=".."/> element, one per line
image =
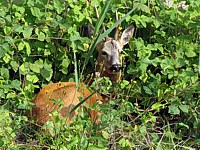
<point x="147" y="90"/>
<point x="184" y="108"/>
<point x="7" y="30"/>
<point x="11" y="95"/>
<point x="21" y="46"/>
<point x="170" y="134"/>
<point x="59" y="7"/>
<point x="125" y="143"/>
<point x="131" y="69"/>
<point x="38" y="64"/>
<point x="105" y="134"/>
<point x="32" y="78"/>
<point x="24" y="68"/>
<point x="157" y="106"/>
<point x="28" y="49"/>
<point x="144" y="24"/>
<point x="173" y="109"/>
<point x="190" y="53"/>
<point x="41" y="36"/>
<point x="4" y="49"/>
<point x="20" y="9"/>
<point x="47" y="71"/>
<point x="156" y="23"/>
<point x="47" y="74"/>
<point x="65" y="62"/>
<point x="143" y="7"/>
<point x="27" y="32"/>
<point x="6" y="58"/>
<point x="129" y="107"/>
<point x="4" y="73"/>
<point x="16" y="84"/>
<point x="36" y="12"/>
<point x="14" y="65"/>
<point x="143" y="130"/>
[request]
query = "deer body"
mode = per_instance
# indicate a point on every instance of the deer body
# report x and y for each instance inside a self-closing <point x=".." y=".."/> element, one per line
<point x="64" y="96"/>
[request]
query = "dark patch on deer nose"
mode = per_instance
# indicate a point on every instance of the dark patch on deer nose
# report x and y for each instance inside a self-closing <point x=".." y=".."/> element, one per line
<point x="115" y="68"/>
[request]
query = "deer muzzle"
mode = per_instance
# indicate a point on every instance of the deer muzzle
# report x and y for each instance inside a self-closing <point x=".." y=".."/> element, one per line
<point x="115" y="68"/>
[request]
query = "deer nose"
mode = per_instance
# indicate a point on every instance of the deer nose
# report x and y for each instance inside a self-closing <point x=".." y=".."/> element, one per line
<point x="115" y="68"/>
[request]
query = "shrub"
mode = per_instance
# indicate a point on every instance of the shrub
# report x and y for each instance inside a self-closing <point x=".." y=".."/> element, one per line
<point x="157" y="101"/>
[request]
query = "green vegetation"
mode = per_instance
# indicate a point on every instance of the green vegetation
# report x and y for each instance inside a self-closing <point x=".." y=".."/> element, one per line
<point x="157" y="105"/>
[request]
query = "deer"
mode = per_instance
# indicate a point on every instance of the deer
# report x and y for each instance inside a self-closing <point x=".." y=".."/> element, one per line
<point x="64" y="96"/>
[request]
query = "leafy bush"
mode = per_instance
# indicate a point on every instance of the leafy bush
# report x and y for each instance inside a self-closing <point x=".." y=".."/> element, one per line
<point x="157" y="102"/>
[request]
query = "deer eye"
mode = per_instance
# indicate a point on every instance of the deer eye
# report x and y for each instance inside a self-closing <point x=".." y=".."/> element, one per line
<point x="103" y="53"/>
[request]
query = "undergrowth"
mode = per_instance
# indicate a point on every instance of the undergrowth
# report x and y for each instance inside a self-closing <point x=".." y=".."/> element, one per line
<point x="156" y="105"/>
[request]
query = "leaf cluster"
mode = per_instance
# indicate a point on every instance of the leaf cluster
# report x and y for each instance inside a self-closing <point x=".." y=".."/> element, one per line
<point x="157" y="103"/>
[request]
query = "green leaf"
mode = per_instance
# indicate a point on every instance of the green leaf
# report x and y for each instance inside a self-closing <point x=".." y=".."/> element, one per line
<point x="24" y="68"/>
<point x="129" y="107"/>
<point x="27" y="32"/>
<point x="38" y="64"/>
<point x="1" y="141"/>
<point x="32" y="78"/>
<point x="125" y="143"/>
<point x="36" y="12"/>
<point x="157" y="106"/>
<point x="47" y="71"/>
<point x="143" y="7"/>
<point x="16" y="84"/>
<point x="28" y="48"/>
<point x="96" y="147"/>
<point x="23" y="45"/>
<point x="147" y="90"/>
<point x="173" y="109"/>
<point x="41" y="36"/>
<point x="184" y="125"/>
<point x="143" y="130"/>
<point x="156" y="23"/>
<point x="20" y="46"/>
<point x="65" y="62"/>
<point x="59" y="7"/>
<point x="105" y="134"/>
<point x="6" y="58"/>
<point x="184" y="108"/>
<point x="4" y="73"/>
<point x="4" y="49"/>
<point x="14" y="65"/>
<point x="47" y="74"/>
<point x="190" y="53"/>
<point x="7" y="30"/>
<point x="11" y="95"/>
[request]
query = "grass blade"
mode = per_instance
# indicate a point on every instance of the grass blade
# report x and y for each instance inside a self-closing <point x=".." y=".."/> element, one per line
<point x="115" y="25"/>
<point x="102" y="16"/>
<point x="81" y="102"/>
<point x="75" y="65"/>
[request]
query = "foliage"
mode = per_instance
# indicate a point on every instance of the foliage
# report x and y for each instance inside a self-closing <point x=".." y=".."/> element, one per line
<point x="158" y="100"/>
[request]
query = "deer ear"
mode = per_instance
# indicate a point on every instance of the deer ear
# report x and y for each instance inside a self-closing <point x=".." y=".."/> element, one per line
<point x="90" y="30"/>
<point x="126" y="35"/>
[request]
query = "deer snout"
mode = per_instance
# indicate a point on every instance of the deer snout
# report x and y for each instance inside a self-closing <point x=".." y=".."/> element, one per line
<point x="115" y="68"/>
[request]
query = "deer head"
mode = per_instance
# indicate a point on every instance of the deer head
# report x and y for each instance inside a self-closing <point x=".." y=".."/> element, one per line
<point x="109" y="55"/>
